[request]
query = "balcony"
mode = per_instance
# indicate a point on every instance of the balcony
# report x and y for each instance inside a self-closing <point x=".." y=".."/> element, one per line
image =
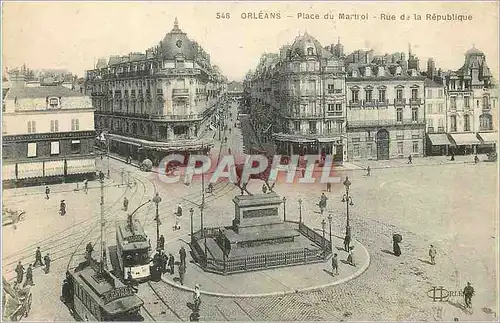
<point x="415" y="101"/>
<point x="382" y="103"/>
<point x="486" y="107"/>
<point x="97" y="94"/>
<point x="369" y="103"/>
<point x="440" y="129"/>
<point x="383" y="123"/>
<point x="400" y="101"/>
<point x="334" y="113"/>
<point x="354" y="104"/>
<point x="180" y="93"/>
<point x="177" y="117"/>
<point x="304" y="115"/>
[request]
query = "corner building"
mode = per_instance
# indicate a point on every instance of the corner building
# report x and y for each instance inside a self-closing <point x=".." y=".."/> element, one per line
<point x="158" y="102"/>
<point x="385" y="108"/>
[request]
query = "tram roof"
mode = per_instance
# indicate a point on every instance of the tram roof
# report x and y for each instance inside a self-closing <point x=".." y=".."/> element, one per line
<point x="108" y="291"/>
<point x="131" y="238"/>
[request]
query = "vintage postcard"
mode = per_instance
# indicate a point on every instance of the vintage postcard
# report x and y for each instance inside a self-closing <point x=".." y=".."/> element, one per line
<point x="250" y="161"/>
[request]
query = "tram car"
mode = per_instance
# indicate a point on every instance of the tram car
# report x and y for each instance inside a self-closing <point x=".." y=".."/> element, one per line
<point x="94" y="294"/>
<point x="133" y="250"/>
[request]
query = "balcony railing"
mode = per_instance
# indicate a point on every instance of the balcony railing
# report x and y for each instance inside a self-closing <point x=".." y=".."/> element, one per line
<point x="369" y="103"/>
<point x="382" y="103"/>
<point x="440" y="129"/>
<point x="401" y="101"/>
<point x="180" y="92"/>
<point x="177" y="117"/>
<point x="314" y="133"/>
<point x="487" y="107"/>
<point x="304" y="115"/>
<point x="415" y="101"/>
<point x="384" y="122"/>
<point x="354" y="103"/>
<point x="335" y="113"/>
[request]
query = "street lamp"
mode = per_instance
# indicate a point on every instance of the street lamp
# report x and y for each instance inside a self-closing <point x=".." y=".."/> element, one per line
<point x="323" y="225"/>
<point x="191" y="211"/>
<point x="348" y="201"/>
<point x="157" y="200"/>
<point x="330" y="222"/>
<point x="284" y="209"/>
<point x="300" y="211"/>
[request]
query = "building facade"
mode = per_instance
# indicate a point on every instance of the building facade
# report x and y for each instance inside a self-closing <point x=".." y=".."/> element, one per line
<point x="437" y="141"/>
<point x="297" y="99"/>
<point x="385" y="108"/>
<point x="158" y="102"/>
<point x="48" y="134"/>
<point x="472" y="99"/>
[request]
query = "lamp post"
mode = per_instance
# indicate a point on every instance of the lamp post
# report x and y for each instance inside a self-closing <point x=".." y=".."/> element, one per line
<point x="107" y="147"/>
<point x="191" y="211"/>
<point x="157" y="200"/>
<point x="323" y="225"/>
<point x="348" y="200"/>
<point x="284" y="209"/>
<point x="300" y="211"/>
<point x="101" y="251"/>
<point x="330" y="222"/>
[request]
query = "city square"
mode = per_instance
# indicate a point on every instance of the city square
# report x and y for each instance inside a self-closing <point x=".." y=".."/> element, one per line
<point x="94" y="229"/>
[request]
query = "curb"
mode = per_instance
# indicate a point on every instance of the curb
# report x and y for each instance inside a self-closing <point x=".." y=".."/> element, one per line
<point x="306" y="289"/>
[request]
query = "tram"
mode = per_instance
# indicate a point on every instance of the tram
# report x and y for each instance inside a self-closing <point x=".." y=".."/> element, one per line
<point x="94" y="294"/>
<point x="133" y="250"/>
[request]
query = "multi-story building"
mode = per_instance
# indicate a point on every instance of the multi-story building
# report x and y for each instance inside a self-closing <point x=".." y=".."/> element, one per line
<point x="297" y="98"/>
<point x="48" y="134"/>
<point x="437" y="142"/>
<point x="157" y="102"/>
<point x="385" y="108"/>
<point x="472" y="102"/>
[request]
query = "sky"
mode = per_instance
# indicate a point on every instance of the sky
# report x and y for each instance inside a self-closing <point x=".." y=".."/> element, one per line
<point x="72" y="35"/>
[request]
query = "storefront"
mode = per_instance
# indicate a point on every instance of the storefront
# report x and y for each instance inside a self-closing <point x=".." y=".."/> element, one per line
<point x="80" y="166"/>
<point x="464" y="143"/>
<point x="488" y="142"/>
<point x="29" y="170"/>
<point x="438" y="144"/>
<point x="53" y="168"/>
<point x="8" y="172"/>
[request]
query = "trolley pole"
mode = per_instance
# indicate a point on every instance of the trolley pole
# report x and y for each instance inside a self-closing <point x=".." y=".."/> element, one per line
<point x="202" y="207"/>
<point x="108" y="141"/>
<point x="101" y="264"/>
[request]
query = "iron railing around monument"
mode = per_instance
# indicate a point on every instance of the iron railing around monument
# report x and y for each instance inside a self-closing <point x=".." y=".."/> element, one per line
<point x="260" y="261"/>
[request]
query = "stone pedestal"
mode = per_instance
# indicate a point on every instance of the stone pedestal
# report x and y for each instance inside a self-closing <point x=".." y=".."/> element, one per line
<point x="252" y="212"/>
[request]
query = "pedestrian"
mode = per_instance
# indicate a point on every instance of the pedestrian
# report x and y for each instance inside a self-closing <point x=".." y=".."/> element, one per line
<point x="264" y="188"/>
<point x="171" y="263"/>
<point x="89" y="249"/>
<point x="177" y="226"/>
<point x="47" y="263"/>
<point x="196" y="298"/>
<point x="62" y="208"/>
<point x="452" y="156"/>
<point x="410" y="159"/>
<point x="19" y="272"/>
<point x="347" y="242"/>
<point x="328" y="187"/>
<point x="86" y="186"/>
<point x="38" y="258"/>
<point x="322" y="202"/>
<point x="179" y="210"/>
<point x="182" y="255"/>
<point x="125" y="204"/>
<point x="161" y="242"/>
<point x="468" y="293"/>
<point x="47" y="192"/>
<point x="163" y="262"/>
<point x="432" y="254"/>
<point x="229" y="151"/>
<point x="368" y="171"/>
<point x="476" y="159"/>
<point x="335" y="264"/>
<point x="350" y="259"/>
<point x="29" y="276"/>
<point x="182" y="272"/>
<point x="225" y="139"/>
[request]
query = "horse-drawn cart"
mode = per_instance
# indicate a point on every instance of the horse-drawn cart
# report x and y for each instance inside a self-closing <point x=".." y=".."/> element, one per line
<point x="16" y="301"/>
<point x="12" y="217"/>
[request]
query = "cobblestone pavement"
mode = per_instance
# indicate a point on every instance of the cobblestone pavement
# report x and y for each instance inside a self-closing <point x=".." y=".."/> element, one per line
<point x="450" y="206"/>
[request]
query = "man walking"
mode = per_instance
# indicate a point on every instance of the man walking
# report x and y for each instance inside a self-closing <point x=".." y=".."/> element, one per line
<point x="47" y="263"/>
<point x="182" y="256"/>
<point x="38" y="257"/>
<point x="368" y="171"/>
<point x="86" y="186"/>
<point x="29" y="276"/>
<point x="476" y="159"/>
<point x="19" y="272"/>
<point x="179" y="210"/>
<point x="62" y="208"/>
<point x="347" y="242"/>
<point x="171" y="263"/>
<point x="47" y="192"/>
<point x="335" y="264"/>
<point x="264" y="188"/>
<point x="410" y="161"/>
<point x="161" y="242"/>
<point x="182" y="272"/>
<point x="322" y="202"/>
<point x="468" y="293"/>
<point x="432" y="254"/>
<point x="125" y="204"/>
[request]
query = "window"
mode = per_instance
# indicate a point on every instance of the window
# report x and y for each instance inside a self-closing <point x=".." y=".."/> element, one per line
<point x="453" y="102"/>
<point x="296" y="67"/>
<point x="440" y="108"/>
<point x="417" y="136"/>
<point x="354" y="96"/>
<point x="399" y="94"/>
<point x="311" y="66"/>
<point x="32" y="149"/>
<point x="331" y="88"/>
<point x="312" y="87"/>
<point x="414" y="94"/>
<point x="356" y="139"/>
<point x="429" y="122"/>
<point x="368" y="95"/>
<point x="159" y="91"/>
<point x="466" y="122"/>
<point x="453" y="123"/>
<point x="312" y="127"/>
<point x="381" y="95"/>
<point x="440" y="93"/>
<point x="429" y="108"/>
<point x="369" y="149"/>
<point x="75" y="124"/>
<point x="53" y="102"/>
<point x="331" y="107"/>
<point x="415" y="146"/>
<point x="31" y="126"/>
<point x="296" y="125"/>
<point x="429" y="93"/>
<point x="54" y="148"/>
<point x="467" y="101"/>
<point x="54" y="125"/>
<point x="400" y="148"/>
<point x="355" y="150"/>
<point x="485" y="122"/>
<point x="414" y="114"/>
<point x="399" y="115"/>
<point x="310" y="51"/>
<point x="75" y="146"/>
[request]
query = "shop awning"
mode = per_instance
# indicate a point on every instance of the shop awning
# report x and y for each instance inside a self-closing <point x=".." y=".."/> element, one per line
<point x="30" y="170"/>
<point x="80" y="166"/>
<point x="54" y="168"/>
<point x="439" y="139"/>
<point x="462" y="139"/>
<point x="126" y="140"/>
<point x="8" y="172"/>
<point x="328" y="139"/>
<point x="489" y="137"/>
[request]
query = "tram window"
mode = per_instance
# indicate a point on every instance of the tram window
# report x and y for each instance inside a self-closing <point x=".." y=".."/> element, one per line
<point x="134" y="258"/>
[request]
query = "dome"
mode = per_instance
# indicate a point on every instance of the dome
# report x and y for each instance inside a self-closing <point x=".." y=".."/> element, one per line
<point x="306" y="45"/>
<point x="176" y="42"/>
<point x="473" y="51"/>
